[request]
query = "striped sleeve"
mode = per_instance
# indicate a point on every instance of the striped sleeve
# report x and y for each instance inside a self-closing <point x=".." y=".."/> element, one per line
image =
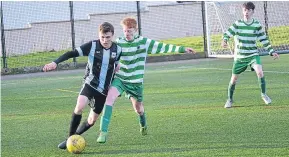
<point x="231" y="31"/>
<point x="264" y="40"/>
<point x="155" y="47"/>
<point x="84" y="49"/>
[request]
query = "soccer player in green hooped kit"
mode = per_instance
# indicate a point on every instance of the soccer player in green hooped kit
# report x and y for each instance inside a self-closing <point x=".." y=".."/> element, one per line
<point x="246" y="32"/>
<point x="129" y="77"/>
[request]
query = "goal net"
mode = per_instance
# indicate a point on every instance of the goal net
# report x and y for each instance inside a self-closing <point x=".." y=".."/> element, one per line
<point x="272" y="15"/>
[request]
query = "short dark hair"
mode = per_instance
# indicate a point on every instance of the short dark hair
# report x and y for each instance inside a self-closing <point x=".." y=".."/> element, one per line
<point x="249" y="5"/>
<point x="106" y="27"/>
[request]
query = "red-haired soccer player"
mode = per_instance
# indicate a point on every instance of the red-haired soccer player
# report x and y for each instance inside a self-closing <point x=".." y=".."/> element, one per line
<point x="129" y="77"/>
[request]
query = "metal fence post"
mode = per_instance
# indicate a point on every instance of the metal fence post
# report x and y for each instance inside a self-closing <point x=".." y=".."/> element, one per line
<point x="266" y="17"/>
<point x="138" y="17"/>
<point x="72" y="29"/>
<point x="3" y="40"/>
<point x="204" y="29"/>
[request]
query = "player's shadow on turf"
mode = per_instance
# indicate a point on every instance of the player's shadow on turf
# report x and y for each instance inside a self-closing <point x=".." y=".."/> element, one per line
<point x="132" y="152"/>
<point x="175" y="150"/>
<point x="248" y="106"/>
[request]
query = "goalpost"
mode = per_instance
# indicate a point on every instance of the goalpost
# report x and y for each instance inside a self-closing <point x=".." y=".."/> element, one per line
<point x="272" y="15"/>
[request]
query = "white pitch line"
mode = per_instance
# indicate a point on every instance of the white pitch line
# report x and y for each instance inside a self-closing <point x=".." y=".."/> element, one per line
<point x="63" y="90"/>
<point x="223" y="69"/>
<point x="36" y="80"/>
<point x="3" y="84"/>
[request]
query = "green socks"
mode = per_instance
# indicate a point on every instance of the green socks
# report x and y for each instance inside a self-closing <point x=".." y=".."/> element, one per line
<point x="142" y="120"/>
<point x="262" y="84"/>
<point x="231" y="90"/>
<point x="105" y="119"/>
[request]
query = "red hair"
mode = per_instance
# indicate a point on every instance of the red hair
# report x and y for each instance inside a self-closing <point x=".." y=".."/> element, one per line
<point x="129" y="22"/>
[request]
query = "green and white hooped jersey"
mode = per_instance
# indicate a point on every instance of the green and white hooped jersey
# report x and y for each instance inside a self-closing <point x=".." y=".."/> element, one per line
<point x="133" y="56"/>
<point x="245" y="38"/>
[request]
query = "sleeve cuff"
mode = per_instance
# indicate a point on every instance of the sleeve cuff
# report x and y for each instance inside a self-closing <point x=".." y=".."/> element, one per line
<point x="56" y="61"/>
<point x="182" y="49"/>
<point x="271" y="52"/>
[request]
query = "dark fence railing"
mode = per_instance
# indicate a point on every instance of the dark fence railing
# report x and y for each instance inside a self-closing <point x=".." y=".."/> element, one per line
<point x="157" y="21"/>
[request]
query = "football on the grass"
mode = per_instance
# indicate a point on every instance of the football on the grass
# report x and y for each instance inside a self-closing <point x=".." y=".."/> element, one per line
<point x="75" y="144"/>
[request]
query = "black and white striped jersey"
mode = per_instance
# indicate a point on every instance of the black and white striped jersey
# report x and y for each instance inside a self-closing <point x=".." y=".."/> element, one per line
<point x="100" y="66"/>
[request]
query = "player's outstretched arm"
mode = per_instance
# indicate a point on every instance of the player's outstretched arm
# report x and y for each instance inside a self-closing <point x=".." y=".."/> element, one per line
<point x="155" y="47"/>
<point x="64" y="57"/>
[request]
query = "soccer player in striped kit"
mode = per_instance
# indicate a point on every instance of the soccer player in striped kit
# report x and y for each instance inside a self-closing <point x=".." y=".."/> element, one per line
<point x="103" y="56"/>
<point x="246" y="33"/>
<point x="129" y="77"/>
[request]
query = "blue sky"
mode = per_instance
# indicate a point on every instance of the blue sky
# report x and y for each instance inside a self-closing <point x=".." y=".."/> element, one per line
<point x="17" y="14"/>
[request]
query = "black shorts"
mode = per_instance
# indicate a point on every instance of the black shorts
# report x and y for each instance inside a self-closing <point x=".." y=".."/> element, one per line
<point x="96" y="98"/>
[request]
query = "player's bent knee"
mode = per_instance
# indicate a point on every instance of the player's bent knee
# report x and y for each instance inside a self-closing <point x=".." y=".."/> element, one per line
<point x="91" y="121"/>
<point x="260" y="74"/>
<point x="139" y="112"/>
<point x="233" y="82"/>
